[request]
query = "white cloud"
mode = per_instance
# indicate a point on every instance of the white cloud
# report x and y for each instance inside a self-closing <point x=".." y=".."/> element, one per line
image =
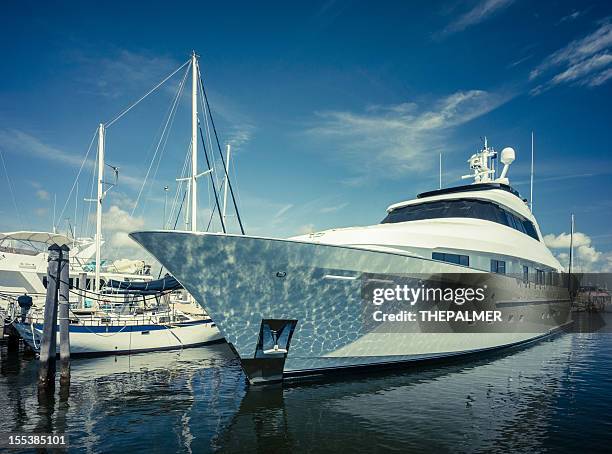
<point x="586" y="257"/>
<point x="125" y="72"/>
<point x="583" y="68"/>
<point x="304" y="229"/>
<point x="283" y="210"/>
<point x="333" y="209"/>
<point x="584" y="61"/>
<point x="118" y="220"/>
<point x="15" y="141"/>
<point x="42" y="194"/>
<point x="600" y="78"/>
<point x="572" y="16"/>
<point x="240" y="134"/>
<point x="116" y="225"/>
<point x="482" y="11"/>
<point x="562" y="240"/>
<point x="122" y="200"/>
<point x="392" y="140"/>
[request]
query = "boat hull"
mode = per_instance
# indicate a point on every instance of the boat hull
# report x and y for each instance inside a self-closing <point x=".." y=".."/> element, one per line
<point x="107" y="340"/>
<point x="242" y="281"/>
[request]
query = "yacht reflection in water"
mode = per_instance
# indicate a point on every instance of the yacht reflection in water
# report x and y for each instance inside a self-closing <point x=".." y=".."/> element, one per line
<point x="498" y="402"/>
<point x="549" y="396"/>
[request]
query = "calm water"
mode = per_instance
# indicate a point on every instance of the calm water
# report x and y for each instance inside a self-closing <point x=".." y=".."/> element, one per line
<point x="553" y="396"/>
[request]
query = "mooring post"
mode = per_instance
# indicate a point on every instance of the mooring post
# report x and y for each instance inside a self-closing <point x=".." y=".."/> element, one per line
<point x="64" y="314"/>
<point x="46" y="371"/>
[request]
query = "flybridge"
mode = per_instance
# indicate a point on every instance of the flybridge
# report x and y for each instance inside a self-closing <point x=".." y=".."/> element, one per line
<point x="469" y="188"/>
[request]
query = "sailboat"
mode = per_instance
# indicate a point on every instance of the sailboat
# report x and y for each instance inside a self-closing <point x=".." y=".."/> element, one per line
<point x="128" y="313"/>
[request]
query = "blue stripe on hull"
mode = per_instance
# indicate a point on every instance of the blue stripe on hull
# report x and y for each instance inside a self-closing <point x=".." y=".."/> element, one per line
<point x="127" y="328"/>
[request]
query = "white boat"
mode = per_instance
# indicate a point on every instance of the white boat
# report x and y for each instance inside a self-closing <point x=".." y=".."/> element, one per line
<point x="104" y="333"/>
<point x="105" y="320"/>
<point x="304" y="294"/>
<point x="23" y="265"/>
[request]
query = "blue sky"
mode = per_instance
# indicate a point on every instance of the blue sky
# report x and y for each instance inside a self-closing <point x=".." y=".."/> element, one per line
<point x="336" y="109"/>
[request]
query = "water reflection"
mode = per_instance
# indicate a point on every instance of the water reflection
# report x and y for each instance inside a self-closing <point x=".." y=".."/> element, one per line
<point x="552" y="395"/>
<point x="496" y="403"/>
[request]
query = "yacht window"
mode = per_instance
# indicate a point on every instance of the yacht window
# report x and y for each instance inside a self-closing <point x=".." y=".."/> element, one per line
<point x="525" y="274"/>
<point x="540" y="277"/>
<point x="462" y="208"/>
<point x="498" y="266"/>
<point x="451" y="258"/>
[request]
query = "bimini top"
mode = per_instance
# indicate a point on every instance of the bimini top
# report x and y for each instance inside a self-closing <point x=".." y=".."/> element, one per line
<point x="471" y="187"/>
<point x="38" y="237"/>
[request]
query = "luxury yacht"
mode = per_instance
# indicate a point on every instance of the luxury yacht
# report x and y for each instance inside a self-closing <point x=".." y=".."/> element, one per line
<point x="301" y="306"/>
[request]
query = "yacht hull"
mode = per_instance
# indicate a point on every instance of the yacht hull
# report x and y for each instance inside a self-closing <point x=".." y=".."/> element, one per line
<point x="242" y="281"/>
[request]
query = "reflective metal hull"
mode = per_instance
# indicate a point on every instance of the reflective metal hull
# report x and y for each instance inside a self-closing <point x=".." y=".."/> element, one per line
<point x="242" y="280"/>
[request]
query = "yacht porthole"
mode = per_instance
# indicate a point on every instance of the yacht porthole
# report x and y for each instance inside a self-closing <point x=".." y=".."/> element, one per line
<point x="511" y="317"/>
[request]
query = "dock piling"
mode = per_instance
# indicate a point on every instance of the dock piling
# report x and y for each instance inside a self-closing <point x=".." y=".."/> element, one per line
<point x="64" y="313"/>
<point x="46" y="371"/>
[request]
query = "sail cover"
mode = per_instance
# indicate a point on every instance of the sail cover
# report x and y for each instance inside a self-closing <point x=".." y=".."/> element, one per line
<point x="167" y="283"/>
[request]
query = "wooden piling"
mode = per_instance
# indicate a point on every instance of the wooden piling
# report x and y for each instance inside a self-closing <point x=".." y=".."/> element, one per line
<point x="46" y="371"/>
<point x="64" y="314"/>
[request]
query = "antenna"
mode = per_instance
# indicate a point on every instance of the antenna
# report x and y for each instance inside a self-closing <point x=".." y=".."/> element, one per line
<point x="227" y="163"/>
<point x="571" y="251"/>
<point x="571" y="258"/>
<point x="440" y="170"/>
<point x="165" y="204"/>
<point x="54" y="203"/>
<point x="531" y="183"/>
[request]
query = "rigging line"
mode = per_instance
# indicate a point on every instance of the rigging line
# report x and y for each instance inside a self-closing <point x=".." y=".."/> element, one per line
<point x="78" y="174"/>
<point x="170" y="120"/>
<point x="179" y="186"/>
<point x="207" y="128"/>
<point x="177" y="193"/>
<point x="212" y="213"/>
<point x="205" y="113"/>
<point x="212" y="181"/>
<point x="10" y="185"/>
<point x="220" y="152"/>
<point x="110" y="123"/>
<point x="165" y="141"/>
<point x="178" y="216"/>
<point x="158" y="145"/>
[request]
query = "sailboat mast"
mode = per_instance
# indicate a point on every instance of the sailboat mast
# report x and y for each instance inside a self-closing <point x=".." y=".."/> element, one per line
<point x="101" y="133"/>
<point x="227" y="162"/>
<point x="194" y="141"/>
